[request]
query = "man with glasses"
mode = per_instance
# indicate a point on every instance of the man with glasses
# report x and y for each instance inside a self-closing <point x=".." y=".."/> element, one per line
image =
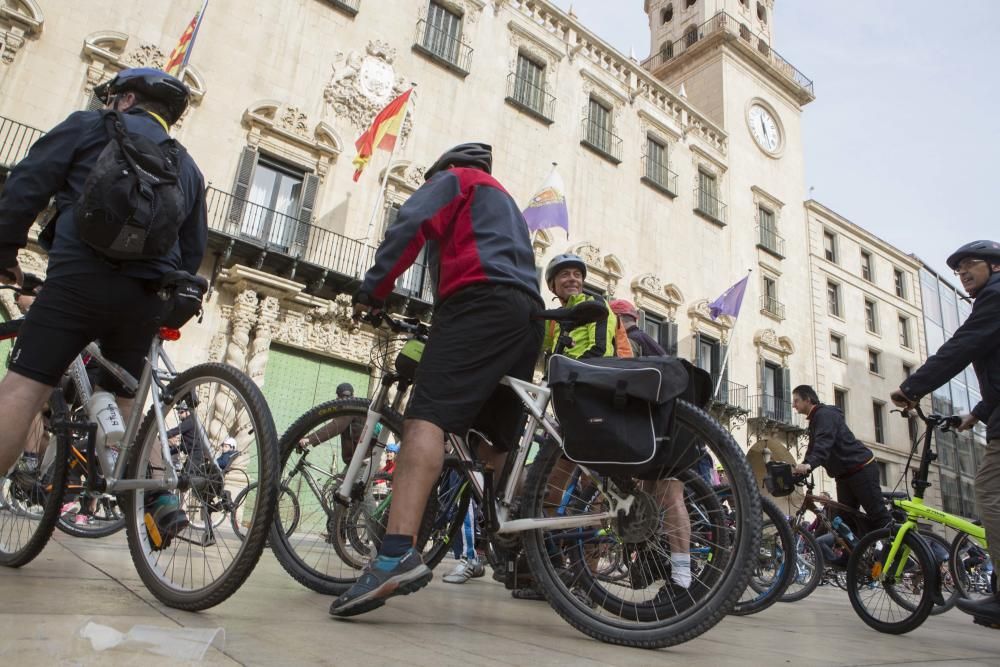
<point x="977" y="341"/>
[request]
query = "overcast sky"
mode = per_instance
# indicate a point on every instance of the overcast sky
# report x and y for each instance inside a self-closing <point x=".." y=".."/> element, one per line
<point x="903" y="137"/>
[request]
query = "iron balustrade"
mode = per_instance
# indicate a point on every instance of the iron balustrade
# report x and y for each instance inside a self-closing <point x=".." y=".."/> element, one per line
<point x="732" y="394"/>
<point x="729" y="24"/>
<point x="443" y="45"/>
<point x="709" y="205"/>
<point x="659" y="173"/>
<point x="771" y="305"/>
<point x="530" y="97"/>
<point x="277" y="232"/>
<point x="770" y="240"/>
<point x="601" y="139"/>
<point x="15" y="140"/>
<point x="774" y="409"/>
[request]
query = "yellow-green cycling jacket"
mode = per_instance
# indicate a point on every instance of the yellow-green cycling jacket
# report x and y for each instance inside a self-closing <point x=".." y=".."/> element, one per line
<point x="589" y="340"/>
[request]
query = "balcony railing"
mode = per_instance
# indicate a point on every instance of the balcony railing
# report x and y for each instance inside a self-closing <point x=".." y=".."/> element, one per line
<point x="775" y="410"/>
<point x="710" y="206"/>
<point x="732" y="396"/>
<point x="349" y="7"/>
<point x="659" y="175"/>
<point x="535" y="100"/>
<point x="730" y="25"/>
<point x="770" y="241"/>
<point x="443" y="46"/>
<point x="15" y="140"/>
<point x="771" y="306"/>
<point x="602" y="140"/>
<point x="277" y="232"/>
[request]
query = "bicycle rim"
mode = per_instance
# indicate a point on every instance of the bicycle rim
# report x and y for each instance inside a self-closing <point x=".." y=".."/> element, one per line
<point x="808" y="566"/>
<point x="645" y="609"/>
<point x="207" y="561"/>
<point x="971" y="567"/>
<point x="890" y="597"/>
<point x="774" y="567"/>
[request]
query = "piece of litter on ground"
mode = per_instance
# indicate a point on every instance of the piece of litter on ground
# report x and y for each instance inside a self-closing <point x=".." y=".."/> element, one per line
<point x="172" y="642"/>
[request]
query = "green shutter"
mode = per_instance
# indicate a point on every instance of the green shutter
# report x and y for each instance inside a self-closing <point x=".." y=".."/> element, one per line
<point x="310" y="185"/>
<point x="668" y="337"/>
<point x="786" y="394"/>
<point x="241" y="186"/>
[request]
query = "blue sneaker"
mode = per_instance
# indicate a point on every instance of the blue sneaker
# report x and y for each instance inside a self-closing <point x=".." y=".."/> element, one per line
<point x="164" y="519"/>
<point x="382" y="579"/>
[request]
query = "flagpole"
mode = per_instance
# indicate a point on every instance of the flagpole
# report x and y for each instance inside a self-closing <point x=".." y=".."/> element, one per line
<point x="725" y="358"/>
<point x="194" y="35"/>
<point x="392" y="153"/>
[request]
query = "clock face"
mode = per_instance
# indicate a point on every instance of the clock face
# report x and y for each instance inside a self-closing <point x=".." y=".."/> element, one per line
<point x="764" y="128"/>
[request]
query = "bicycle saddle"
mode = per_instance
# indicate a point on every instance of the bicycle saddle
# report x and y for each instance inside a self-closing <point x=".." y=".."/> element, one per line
<point x="175" y="278"/>
<point x="895" y="495"/>
<point x="582" y="313"/>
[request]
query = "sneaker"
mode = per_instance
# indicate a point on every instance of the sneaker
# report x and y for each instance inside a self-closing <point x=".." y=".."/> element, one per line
<point x="24" y="484"/>
<point x="478" y="569"/>
<point x="384" y="578"/>
<point x="647" y="568"/>
<point x="464" y="570"/>
<point x="164" y="519"/>
<point x="674" y="596"/>
<point x="81" y="520"/>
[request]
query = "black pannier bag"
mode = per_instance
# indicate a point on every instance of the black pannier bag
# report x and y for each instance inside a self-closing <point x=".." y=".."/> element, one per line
<point x="183" y="293"/>
<point x="779" y="479"/>
<point x="616" y="415"/>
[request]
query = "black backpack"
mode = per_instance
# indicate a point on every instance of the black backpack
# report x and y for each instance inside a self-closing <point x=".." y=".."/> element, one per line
<point x="132" y="205"/>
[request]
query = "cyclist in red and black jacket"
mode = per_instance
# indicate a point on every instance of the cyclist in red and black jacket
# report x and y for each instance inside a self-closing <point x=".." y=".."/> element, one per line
<point x="485" y="293"/>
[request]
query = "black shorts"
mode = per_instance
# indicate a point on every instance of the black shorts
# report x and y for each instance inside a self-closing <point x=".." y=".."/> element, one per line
<point x="478" y="335"/>
<point x="121" y="313"/>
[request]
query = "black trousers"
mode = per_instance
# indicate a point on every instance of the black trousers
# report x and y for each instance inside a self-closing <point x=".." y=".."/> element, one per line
<point x="862" y="489"/>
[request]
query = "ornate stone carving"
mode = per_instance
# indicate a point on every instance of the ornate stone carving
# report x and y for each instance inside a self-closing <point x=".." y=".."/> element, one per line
<point x="406" y="175"/>
<point x="768" y="341"/>
<point x="327" y="329"/>
<point x="18" y="19"/>
<point x="361" y="84"/>
<point x="244" y="316"/>
<point x="267" y="315"/>
<point x="294" y="121"/>
<point x="146" y="55"/>
<point x="602" y="272"/>
<point x="648" y="293"/>
<point x="532" y="46"/>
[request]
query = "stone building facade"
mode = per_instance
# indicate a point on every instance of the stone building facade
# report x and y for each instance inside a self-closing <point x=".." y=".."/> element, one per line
<point x="683" y="172"/>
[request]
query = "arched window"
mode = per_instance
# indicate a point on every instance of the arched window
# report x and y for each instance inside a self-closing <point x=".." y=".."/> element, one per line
<point x="691" y="36"/>
<point x="761" y="13"/>
<point x="668" y="14"/>
<point x="690" y="3"/>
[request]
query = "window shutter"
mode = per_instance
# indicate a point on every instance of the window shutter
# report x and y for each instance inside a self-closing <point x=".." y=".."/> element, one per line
<point x="786" y="394"/>
<point x="763" y="402"/>
<point x="668" y="337"/>
<point x="697" y="350"/>
<point x="241" y="187"/>
<point x="310" y="185"/>
<point x="724" y="387"/>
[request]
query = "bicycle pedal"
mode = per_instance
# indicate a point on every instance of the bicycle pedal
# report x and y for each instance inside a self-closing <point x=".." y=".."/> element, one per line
<point x="986" y="622"/>
<point x="155" y="539"/>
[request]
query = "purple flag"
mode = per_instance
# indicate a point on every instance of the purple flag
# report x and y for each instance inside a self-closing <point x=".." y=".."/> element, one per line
<point x="730" y="301"/>
<point x="548" y="207"/>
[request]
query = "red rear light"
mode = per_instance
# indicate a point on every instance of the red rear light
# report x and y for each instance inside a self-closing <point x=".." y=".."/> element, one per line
<point x="166" y="333"/>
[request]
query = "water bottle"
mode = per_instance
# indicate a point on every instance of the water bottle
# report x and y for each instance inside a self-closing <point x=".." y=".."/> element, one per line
<point x="102" y="409"/>
<point x="845" y="531"/>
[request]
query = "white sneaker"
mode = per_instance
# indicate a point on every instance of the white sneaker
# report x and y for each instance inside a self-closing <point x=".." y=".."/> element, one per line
<point x="463" y="571"/>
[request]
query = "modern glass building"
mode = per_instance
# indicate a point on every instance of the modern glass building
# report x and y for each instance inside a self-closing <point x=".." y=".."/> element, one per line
<point x="945" y="309"/>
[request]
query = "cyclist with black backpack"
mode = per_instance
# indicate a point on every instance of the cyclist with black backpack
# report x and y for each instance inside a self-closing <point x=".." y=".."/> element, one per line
<point x="130" y="210"/>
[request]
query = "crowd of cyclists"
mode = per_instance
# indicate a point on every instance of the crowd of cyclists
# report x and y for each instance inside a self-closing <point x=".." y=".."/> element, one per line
<point x="486" y="295"/>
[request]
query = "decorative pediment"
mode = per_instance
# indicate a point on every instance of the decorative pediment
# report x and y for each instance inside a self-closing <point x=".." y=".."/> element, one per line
<point x="405" y="175"/>
<point x="541" y="241"/>
<point x="701" y="320"/>
<point x="769" y="341"/>
<point x="286" y="130"/>
<point x="18" y="19"/>
<point x="469" y="9"/>
<point x="649" y="293"/>
<point x="594" y="84"/>
<point x="361" y="84"/>
<point x="524" y="40"/>
<point x="603" y="272"/>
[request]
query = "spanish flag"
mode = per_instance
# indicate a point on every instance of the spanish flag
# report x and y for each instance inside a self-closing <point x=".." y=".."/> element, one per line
<point x="182" y="52"/>
<point x="382" y="134"/>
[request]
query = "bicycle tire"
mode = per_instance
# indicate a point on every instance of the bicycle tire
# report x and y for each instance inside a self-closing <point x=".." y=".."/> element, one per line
<point x="808" y="560"/>
<point x="647" y="623"/>
<point x="781" y="541"/>
<point x="284" y="494"/>
<point x="309" y="554"/>
<point x="97" y="528"/>
<point x="253" y="425"/>
<point x="970" y="569"/>
<point x="19" y="547"/>
<point x="863" y="569"/>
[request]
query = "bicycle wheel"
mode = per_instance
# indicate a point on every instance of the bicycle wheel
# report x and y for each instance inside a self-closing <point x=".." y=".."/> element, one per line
<point x="104" y="519"/>
<point x="647" y="610"/>
<point x="32" y="496"/>
<point x="331" y="543"/>
<point x="288" y="506"/>
<point x="774" y="567"/>
<point x="205" y="563"/>
<point x="971" y="568"/>
<point x="940" y="549"/>
<point x="808" y="567"/>
<point x="892" y="599"/>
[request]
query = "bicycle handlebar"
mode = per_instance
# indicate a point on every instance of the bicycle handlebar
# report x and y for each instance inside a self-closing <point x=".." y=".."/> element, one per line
<point x="28" y="287"/>
<point x="932" y="420"/>
<point x="404" y="325"/>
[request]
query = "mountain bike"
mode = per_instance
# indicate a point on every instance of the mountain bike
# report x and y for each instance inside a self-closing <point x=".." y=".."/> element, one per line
<point x="202" y="565"/>
<point x="892" y="575"/>
<point x="774" y="565"/>
<point x="562" y="537"/>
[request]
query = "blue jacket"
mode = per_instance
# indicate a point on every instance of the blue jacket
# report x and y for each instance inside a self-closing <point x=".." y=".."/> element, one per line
<point x="57" y="166"/>
<point x="977" y="342"/>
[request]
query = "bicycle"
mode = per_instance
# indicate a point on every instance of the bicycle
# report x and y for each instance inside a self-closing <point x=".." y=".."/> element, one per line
<point x="892" y="577"/>
<point x="774" y="567"/>
<point x="202" y="565"/>
<point x="560" y="535"/>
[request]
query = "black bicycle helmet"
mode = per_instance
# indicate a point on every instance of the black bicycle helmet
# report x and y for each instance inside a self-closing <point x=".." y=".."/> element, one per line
<point x="988" y="250"/>
<point x="564" y="261"/>
<point x="345" y="388"/>
<point x="152" y="83"/>
<point x="475" y="155"/>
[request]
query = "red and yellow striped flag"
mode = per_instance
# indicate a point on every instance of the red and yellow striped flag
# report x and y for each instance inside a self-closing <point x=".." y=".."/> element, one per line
<point x="382" y="134"/>
<point x="182" y="52"/>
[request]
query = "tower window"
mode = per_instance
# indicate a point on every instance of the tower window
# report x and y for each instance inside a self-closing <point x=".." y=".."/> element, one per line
<point x="691" y="36"/>
<point x="668" y="14"/>
<point x="690" y="3"/>
<point x="761" y="13"/>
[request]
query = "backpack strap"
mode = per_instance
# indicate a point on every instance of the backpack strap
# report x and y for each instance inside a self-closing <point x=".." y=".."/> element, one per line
<point x="114" y="122"/>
